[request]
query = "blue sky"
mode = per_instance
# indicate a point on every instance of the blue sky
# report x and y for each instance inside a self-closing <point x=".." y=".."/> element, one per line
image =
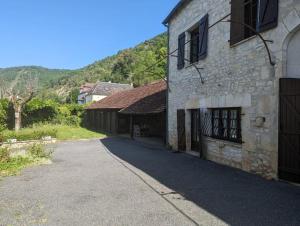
<point x="74" y="33"/>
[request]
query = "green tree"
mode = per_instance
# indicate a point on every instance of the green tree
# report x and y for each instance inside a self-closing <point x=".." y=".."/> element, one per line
<point x="73" y="96"/>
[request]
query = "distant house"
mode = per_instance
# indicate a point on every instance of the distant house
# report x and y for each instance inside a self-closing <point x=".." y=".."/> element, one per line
<point x="84" y="90"/>
<point x="137" y="112"/>
<point x="95" y="92"/>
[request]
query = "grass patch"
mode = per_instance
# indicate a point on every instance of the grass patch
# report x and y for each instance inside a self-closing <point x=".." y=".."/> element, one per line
<point x="75" y="133"/>
<point x="61" y="132"/>
<point x="14" y="166"/>
<point x="36" y="154"/>
<point x="34" y="133"/>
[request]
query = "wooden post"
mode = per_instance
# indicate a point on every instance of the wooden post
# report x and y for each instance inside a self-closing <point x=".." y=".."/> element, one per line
<point x="131" y="127"/>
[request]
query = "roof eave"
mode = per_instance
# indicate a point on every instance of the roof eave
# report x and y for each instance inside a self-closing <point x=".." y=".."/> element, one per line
<point x="178" y="7"/>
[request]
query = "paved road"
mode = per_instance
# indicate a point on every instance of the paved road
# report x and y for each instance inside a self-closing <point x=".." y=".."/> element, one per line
<point x="121" y="182"/>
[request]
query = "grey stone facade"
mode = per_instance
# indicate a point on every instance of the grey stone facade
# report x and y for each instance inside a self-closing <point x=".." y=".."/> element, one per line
<point x="238" y="76"/>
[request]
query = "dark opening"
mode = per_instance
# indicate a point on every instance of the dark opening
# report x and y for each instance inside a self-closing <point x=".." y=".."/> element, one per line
<point x="195" y="130"/>
<point x="194" y="56"/>
<point x="243" y="12"/>
<point x="250" y="17"/>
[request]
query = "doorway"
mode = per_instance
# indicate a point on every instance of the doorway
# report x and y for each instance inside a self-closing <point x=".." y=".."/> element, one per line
<point x="181" y="130"/>
<point x="289" y="130"/>
<point x="195" y="130"/>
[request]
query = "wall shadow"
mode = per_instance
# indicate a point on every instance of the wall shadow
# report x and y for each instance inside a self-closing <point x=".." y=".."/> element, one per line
<point x="234" y="196"/>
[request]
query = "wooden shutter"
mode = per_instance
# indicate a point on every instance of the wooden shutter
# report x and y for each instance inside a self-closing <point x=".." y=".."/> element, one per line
<point x="203" y="37"/>
<point x="237" y="17"/>
<point x="181" y="52"/>
<point x="267" y="15"/>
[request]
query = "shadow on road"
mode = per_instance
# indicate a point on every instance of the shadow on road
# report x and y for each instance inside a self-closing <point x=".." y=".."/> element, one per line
<point x="234" y="196"/>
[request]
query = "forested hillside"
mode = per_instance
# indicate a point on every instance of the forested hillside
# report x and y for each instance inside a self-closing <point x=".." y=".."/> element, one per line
<point x="127" y="66"/>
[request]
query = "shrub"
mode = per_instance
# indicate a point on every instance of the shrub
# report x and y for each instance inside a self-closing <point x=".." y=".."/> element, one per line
<point x="73" y="120"/>
<point x="35" y="133"/>
<point x="1" y="138"/>
<point x="4" y="155"/>
<point x="39" y="151"/>
<point x="37" y="111"/>
<point x="6" y="114"/>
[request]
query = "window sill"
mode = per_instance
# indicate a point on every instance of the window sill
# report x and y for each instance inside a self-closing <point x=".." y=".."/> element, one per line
<point x="225" y="142"/>
<point x="242" y="42"/>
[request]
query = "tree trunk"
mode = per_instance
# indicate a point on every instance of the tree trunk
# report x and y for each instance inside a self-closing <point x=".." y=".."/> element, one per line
<point x="18" y="123"/>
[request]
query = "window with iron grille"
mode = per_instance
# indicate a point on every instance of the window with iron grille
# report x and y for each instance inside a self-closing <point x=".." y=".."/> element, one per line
<point x="222" y="123"/>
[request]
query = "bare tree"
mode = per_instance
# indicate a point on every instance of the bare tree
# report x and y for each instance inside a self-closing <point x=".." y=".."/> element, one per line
<point x="20" y="91"/>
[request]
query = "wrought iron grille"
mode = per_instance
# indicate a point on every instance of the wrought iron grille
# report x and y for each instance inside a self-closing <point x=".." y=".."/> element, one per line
<point x="221" y="123"/>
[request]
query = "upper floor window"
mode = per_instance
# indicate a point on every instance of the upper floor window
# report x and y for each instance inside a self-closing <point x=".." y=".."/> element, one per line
<point x="260" y="15"/>
<point x="181" y="51"/>
<point x="198" y="44"/>
<point x="194" y="56"/>
<point x="250" y="17"/>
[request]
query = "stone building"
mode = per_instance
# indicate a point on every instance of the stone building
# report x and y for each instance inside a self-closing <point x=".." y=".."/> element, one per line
<point x="229" y="101"/>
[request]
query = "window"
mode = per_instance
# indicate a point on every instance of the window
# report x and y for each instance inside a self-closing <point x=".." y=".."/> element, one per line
<point x="261" y="15"/>
<point x="222" y="123"/>
<point x="199" y="41"/>
<point x="194" y="56"/>
<point x="250" y="15"/>
<point x="181" y="51"/>
<point x="243" y="12"/>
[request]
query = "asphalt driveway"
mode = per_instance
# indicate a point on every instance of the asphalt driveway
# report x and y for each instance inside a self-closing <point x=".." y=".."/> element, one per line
<point x="121" y="182"/>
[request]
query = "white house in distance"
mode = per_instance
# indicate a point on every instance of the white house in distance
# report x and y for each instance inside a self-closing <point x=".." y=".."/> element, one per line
<point x="90" y="92"/>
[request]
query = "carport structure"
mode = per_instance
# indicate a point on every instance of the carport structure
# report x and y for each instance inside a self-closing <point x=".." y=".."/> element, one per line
<point x="136" y="112"/>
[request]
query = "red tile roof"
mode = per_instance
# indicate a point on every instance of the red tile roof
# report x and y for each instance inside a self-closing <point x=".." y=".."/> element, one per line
<point x="142" y="100"/>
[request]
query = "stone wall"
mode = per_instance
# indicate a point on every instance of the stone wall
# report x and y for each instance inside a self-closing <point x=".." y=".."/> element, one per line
<point x="238" y="76"/>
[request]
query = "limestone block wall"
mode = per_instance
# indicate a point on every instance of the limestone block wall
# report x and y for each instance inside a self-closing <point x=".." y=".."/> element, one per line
<point x="238" y="76"/>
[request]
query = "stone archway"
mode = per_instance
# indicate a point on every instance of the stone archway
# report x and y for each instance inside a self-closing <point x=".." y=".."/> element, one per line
<point x="293" y="56"/>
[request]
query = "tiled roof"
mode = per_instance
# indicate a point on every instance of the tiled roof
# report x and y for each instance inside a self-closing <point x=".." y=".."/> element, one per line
<point x="108" y="88"/>
<point x="142" y="100"/>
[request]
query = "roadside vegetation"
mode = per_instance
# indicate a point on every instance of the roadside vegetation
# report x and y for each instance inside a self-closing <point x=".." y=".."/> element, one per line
<point x="42" y="120"/>
<point x="45" y="118"/>
<point x="12" y="162"/>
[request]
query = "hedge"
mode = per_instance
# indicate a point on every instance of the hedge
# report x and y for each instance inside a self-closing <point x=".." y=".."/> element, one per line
<point x="42" y="111"/>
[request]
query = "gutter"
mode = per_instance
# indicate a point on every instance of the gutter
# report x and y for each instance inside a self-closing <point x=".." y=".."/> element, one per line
<point x="168" y="89"/>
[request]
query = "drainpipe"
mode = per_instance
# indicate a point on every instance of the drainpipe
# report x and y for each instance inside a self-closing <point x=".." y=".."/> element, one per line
<point x="167" y="96"/>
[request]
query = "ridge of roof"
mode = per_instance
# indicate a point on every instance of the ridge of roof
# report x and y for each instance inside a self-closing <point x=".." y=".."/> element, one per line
<point x="108" y="88"/>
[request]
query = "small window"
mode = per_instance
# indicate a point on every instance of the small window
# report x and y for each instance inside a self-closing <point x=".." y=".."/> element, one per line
<point x="194" y="50"/>
<point x="222" y="123"/>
